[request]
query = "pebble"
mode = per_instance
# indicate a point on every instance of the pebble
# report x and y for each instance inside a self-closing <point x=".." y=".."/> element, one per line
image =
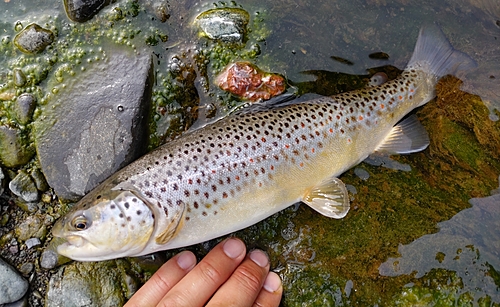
<point x="32" y="242"/>
<point x="24" y="106"/>
<point x="12" y="285"/>
<point x="31" y="227"/>
<point x="361" y="173"/>
<point x="23" y="186"/>
<point x="14" y="151"/>
<point x="33" y="39"/>
<point x="81" y="11"/>
<point x="225" y="24"/>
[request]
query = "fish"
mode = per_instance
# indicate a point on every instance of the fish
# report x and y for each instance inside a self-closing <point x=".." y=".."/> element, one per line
<point x="243" y="168"/>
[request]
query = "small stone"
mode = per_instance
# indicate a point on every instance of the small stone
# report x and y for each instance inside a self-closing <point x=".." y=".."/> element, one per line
<point x="246" y="80"/>
<point x="23" y="186"/>
<point x="19" y="77"/>
<point x="83" y="10"/>
<point x="32" y="227"/>
<point x="39" y="179"/>
<point x="32" y="242"/>
<point x="12" y="285"/>
<point x="361" y="173"/>
<point x="33" y="39"/>
<point x="225" y="24"/>
<point x="14" y="151"/>
<point x="48" y="259"/>
<point x="23" y="108"/>
<point x="26" y="268"/>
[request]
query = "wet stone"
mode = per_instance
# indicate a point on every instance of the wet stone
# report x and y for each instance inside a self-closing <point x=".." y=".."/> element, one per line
<point x="19" y="77"/>
<point x="225" y="24"/>
<point x="32" y="242"/>
<point x="83" y="10"/>
<point x="23" y="108"/>
<point x="39" y="180"/>
<point x="33" y="39"/>
<point x="32" y="227"/>
<point x="86" y="284"/>
<point x="23" y="186"/>
<point x="103" y="115"/>
<point x="14" y="151"/>
<point x="12" y="285"/>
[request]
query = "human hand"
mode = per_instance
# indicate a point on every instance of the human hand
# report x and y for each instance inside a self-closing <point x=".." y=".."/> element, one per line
<point x="225" y="277"/>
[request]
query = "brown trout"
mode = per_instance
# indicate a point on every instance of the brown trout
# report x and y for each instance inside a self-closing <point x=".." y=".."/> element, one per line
<point x="241" y="169"/>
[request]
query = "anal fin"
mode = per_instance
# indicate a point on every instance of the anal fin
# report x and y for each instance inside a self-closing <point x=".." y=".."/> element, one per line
<point x="408" y="136"/>
<point x="330" y="198"/>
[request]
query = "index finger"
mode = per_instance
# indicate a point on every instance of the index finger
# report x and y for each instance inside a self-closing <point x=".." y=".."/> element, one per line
<point x="167" y="276"/>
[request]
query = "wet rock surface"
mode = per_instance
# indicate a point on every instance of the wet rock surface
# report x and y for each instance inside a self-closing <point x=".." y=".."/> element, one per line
<point x="12" y="285"/>
<point x="247" y="81"/>
<point x="33" y="39"/>
<point x="100" y="121"/>
<point x="23" y="186"/>
<point x="14" y="150"/>
<point x="23" y="108"/>
<point x="83" y="10"/>
<point x="225" y="24"/>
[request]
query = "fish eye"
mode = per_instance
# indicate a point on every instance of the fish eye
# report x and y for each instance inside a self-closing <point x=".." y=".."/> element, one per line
<point x="80" y="223"/>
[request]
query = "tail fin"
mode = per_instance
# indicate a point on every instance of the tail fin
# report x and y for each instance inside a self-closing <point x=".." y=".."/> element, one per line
<point x="434" y="50"/>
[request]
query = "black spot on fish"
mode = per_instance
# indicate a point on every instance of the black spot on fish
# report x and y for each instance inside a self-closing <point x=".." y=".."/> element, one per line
<point x="126" y="205"/>
<point x="112" y="206"/>
<point x="139" y="212"/>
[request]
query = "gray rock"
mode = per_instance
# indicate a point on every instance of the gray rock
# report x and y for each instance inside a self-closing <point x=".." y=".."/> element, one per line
<point x="33" y="39"/>
<point x="19" y="77"/>
<point x="20" y="303"/>
<point x="39" y="180"/>
<point x="97" y="124"/>
<point x="83" y="10"/>
<point x="23" y="108"/>
<point x="12" y="285"/>
<point x="23" y="186"/>
<point x="225" y="24"/>
<point x="86" y="284"/>
<point x="14" y="150"/>
<point x="32" y="242"/>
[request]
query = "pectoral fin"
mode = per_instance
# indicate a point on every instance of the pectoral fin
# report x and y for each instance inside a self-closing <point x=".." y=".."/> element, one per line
<point x="175" y="225"/>
<point x="408" y="136"/>
<point x="329" y="198"/>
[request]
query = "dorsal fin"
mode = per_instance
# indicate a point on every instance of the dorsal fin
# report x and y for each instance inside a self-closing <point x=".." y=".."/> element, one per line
<point x="408" y="136"/>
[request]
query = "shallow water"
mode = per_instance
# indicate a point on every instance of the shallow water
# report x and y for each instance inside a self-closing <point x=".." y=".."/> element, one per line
<point x="411" y="237"/>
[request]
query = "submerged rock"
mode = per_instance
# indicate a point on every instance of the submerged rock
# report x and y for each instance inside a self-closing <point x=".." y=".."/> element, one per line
<point x="12" y="285"/>
<point x="225" y="24"/>
<point x="14" y="150"/>
<point x="33" y="39"/>
<point x="23" y="108"/>
<point x="102" y="115"/>
<point x="83" y="10"/>
<point x="246" y="80"/>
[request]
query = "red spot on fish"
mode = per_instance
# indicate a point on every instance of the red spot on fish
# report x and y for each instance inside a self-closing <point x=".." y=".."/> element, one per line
<point x="338" y="116"/>
<point x="382" y="106"/>
<point x="190" y="181"/>
<point x="412" y="90"/>
<point x="213" y="171"/>
<point x="287" y="146"/>
<point x="331" y="130"/>
<point x="360" y="117"/>
<point x="349" y="140"/>
<point x="301" y="164"/>
<point x="400" y="97"/>
<point x="224" y="195"/>
<point x="251" y="160"/>
<point x="272" y="167"/>
<point x="263" y="140"/>
<point x="302" y="125"/>
<point x="312" y="150"/>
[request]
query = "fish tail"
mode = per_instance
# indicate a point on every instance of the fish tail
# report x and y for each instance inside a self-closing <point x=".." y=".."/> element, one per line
<point x="435" y="53"/>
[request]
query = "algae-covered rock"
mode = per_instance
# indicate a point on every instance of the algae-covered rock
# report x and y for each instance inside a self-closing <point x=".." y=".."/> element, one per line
<point x="31" y="227"/>
<point x="87" y="284"/>
<point x="33" y="39"/>
<point x="225" y="24"/>
<point x="83" y="10"/>
<point x="14" y="150"/>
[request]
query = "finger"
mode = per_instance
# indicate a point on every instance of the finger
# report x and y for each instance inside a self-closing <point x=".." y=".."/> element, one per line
<point x="271" y="292"/>
<point x="201" y="283"/>
<point x="163" y="280"/>
<point x="242" y="288"/>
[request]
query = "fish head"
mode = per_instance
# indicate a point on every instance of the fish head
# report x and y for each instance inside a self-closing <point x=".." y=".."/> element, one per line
<point x="105" y="225"/>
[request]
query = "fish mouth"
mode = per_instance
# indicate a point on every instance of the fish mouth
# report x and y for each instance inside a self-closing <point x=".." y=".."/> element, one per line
<point x="76" y="241"/>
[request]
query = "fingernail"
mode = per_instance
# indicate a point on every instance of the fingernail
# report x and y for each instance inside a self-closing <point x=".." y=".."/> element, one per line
<point x="186" y="260"/>
<point x="272" y="282"/>
<point x="259" y="258"/>
<point x="233" y="248"/>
